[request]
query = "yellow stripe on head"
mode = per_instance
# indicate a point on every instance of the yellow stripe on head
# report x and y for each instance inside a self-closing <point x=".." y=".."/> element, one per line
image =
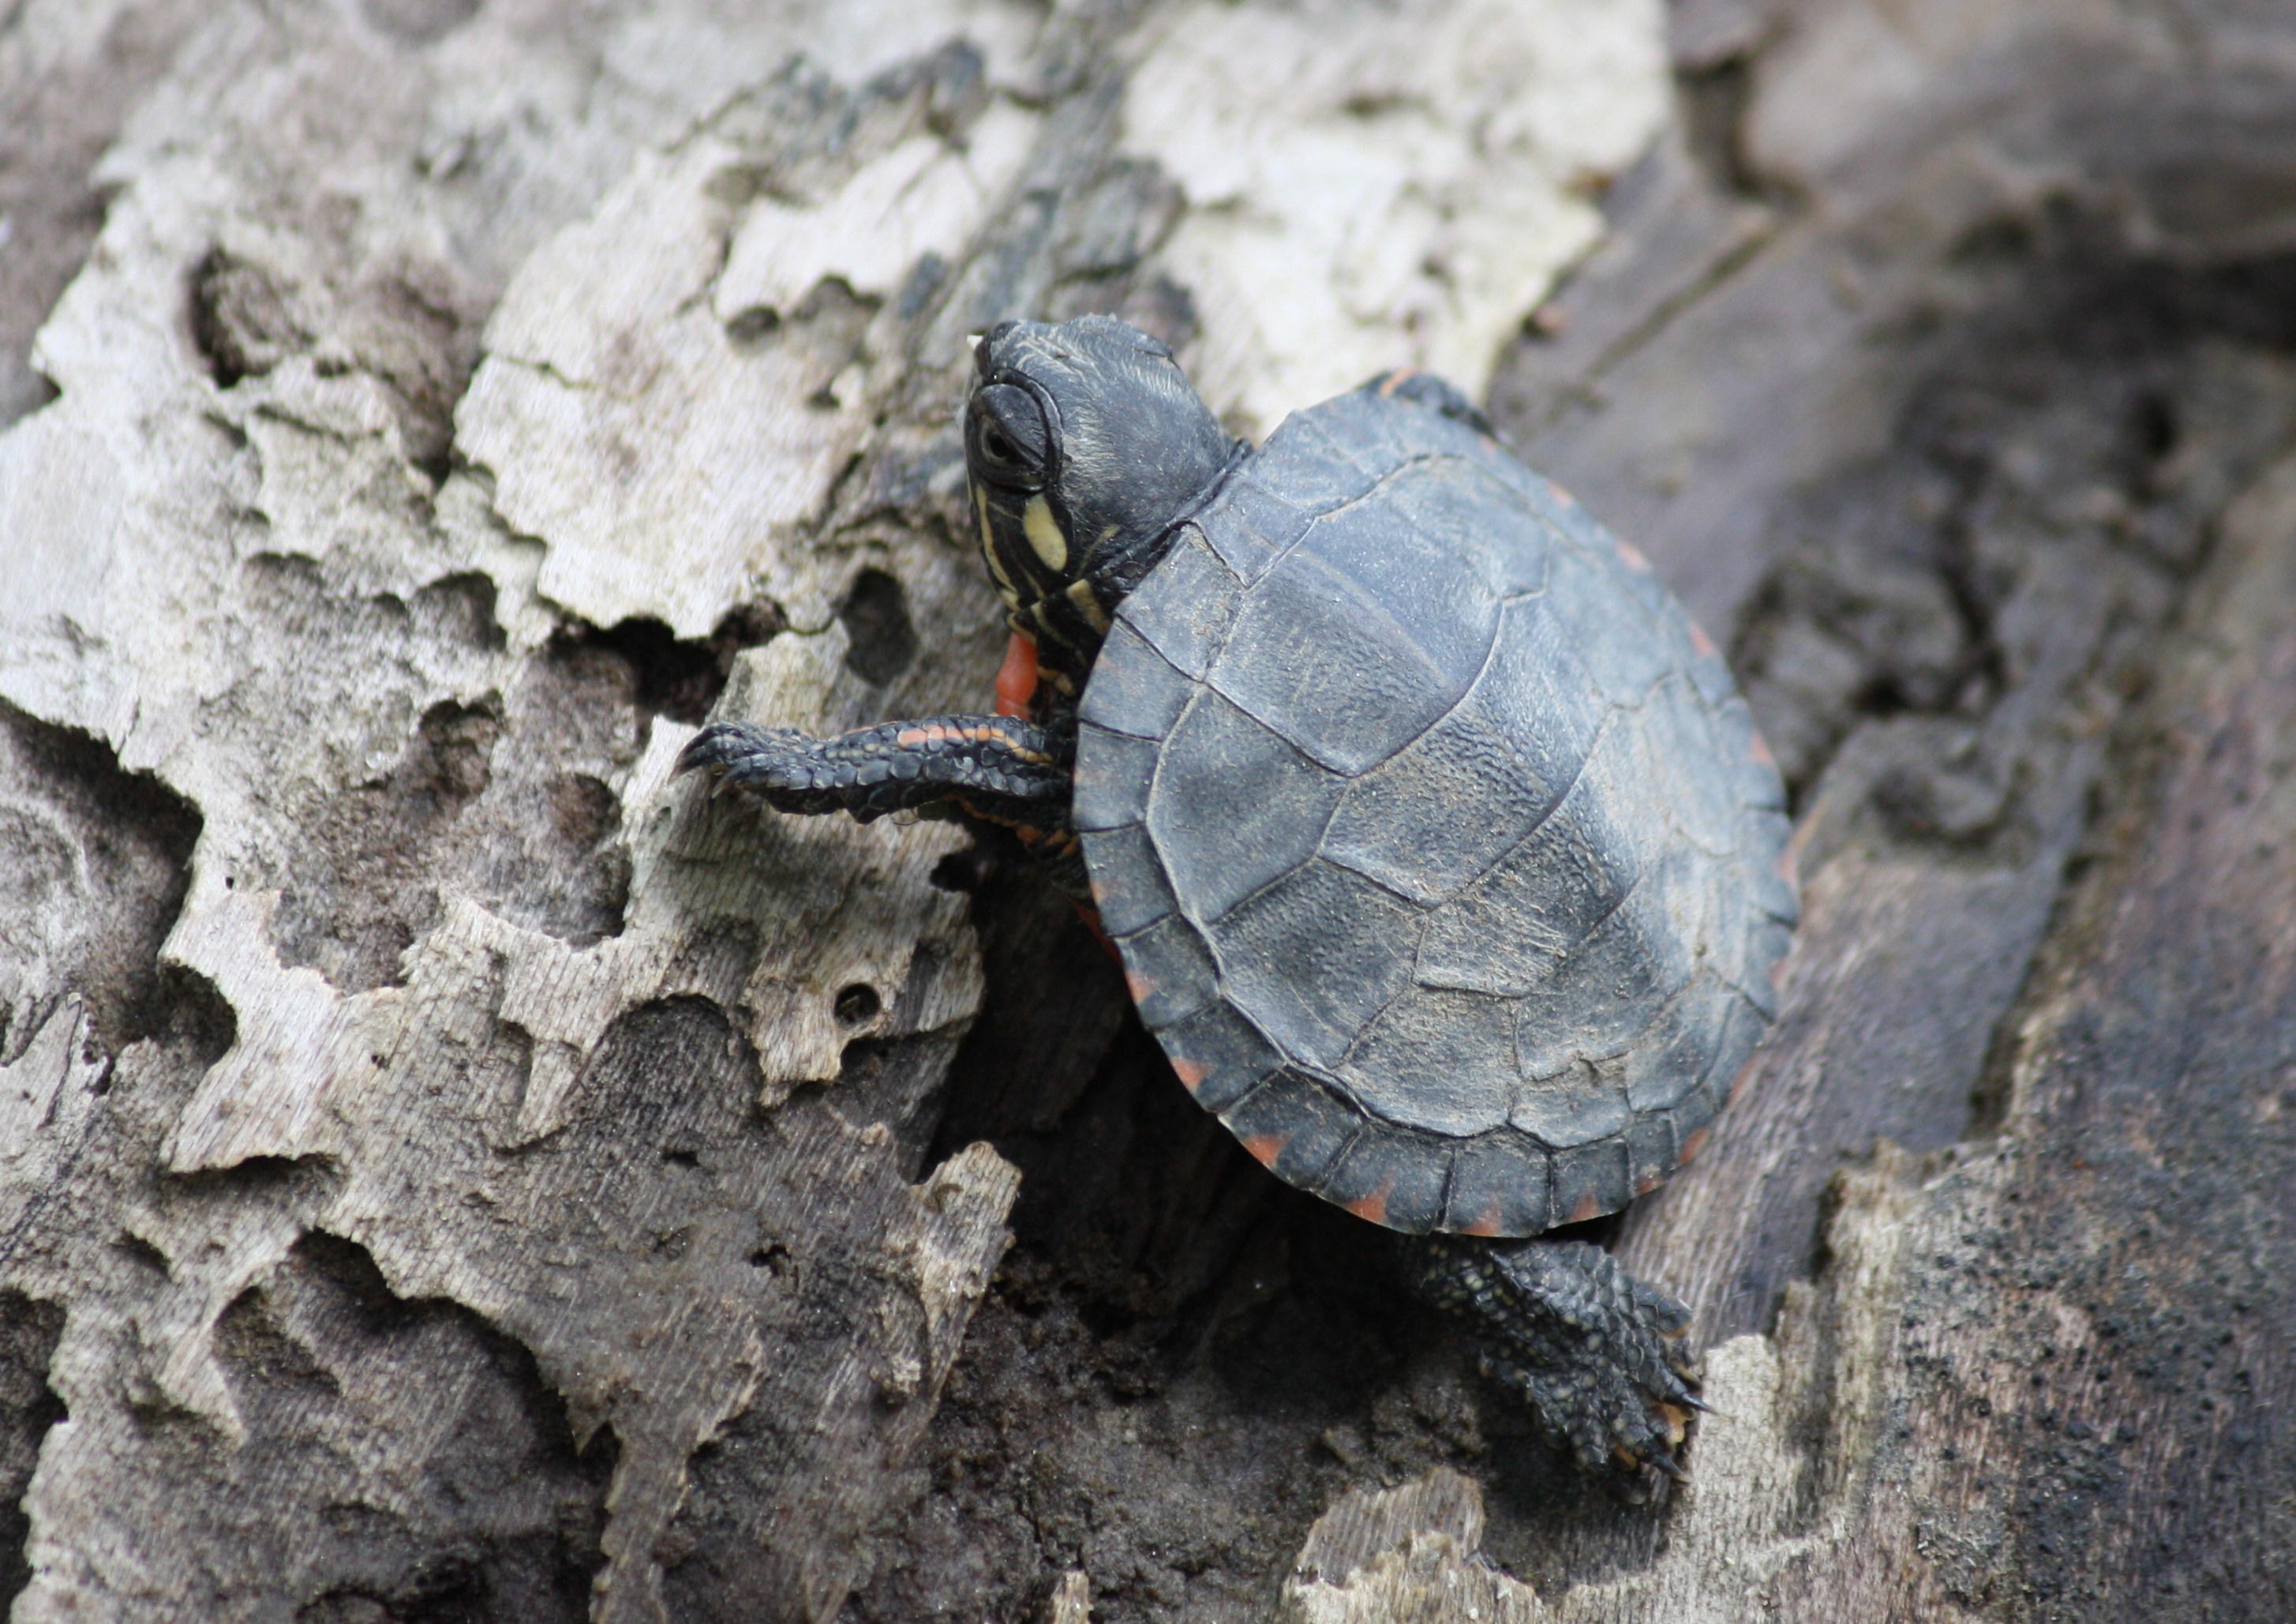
<point x="1005" y="587"/>
<point x="1043" y="534"/>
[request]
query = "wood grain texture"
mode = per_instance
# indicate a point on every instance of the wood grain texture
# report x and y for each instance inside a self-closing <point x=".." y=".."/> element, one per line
<point x="450" y="1170"/>
<point x="447" y="1169"/>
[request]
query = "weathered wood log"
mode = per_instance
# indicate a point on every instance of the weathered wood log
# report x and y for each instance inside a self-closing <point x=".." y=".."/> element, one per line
<point x="449" y="1169"/>
<point x="450" y="1166"/>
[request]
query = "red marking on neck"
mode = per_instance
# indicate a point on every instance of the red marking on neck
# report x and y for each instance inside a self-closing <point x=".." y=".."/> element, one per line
<point x="1016" y="679"/>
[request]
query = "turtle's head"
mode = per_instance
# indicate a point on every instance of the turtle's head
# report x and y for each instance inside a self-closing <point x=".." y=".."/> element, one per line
<point x="1083" y="443"/>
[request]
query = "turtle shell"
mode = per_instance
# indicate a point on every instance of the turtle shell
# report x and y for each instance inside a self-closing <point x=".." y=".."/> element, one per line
<point x="1443" y="856"/>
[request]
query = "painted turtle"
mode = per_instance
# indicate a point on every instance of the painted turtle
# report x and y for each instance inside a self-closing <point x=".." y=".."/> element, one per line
<point x="1443" y="857"/>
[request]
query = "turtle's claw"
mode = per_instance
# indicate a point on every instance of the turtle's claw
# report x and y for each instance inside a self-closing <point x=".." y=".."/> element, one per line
<point x="703" y="752"/>
<point x="774" y="764"/>
<point x="739" y="750"/>
<point x="1667" y="1463"/>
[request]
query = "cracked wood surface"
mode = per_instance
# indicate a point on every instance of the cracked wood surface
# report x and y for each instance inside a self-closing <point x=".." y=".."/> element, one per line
<point x="449" y="1167"/>
<point x="446" y="1169"/>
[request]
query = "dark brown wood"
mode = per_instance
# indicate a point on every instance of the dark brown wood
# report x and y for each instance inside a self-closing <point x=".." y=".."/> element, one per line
<point x="446" y="1168"/>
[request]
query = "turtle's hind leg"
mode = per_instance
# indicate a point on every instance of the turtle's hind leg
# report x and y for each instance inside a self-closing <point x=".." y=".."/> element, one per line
<point x="1600" y="1356"/>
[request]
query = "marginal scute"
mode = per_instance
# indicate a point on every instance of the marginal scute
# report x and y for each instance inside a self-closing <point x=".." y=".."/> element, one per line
<point x="1128" y="886"/>
<point x="1651" y="1153"/>
<point x="1692" y="1120"/>
<point x="1538" y="495"/>
<point x="1711" y="676"/>
<point x="1774" y="890"/>
<point x="1171" y="970"/>
<point x="1404" y="1192"/>
<point x="1676" y="748"/>
<point x="1303" y="1122"/>
<point x="1753" y="772"/>
<point x="1220" y="1054"/>
<point x="1766" y="956"/>
<point x="1446" y="864"/>
<point x="1591" y="1180"/>
<point x="1112" y="777"/>
<point x="1612" y="632"/>
<point x="1499" y="1186"/>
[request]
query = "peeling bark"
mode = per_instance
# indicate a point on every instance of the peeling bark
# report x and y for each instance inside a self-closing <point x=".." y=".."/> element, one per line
<point x="447" y="1169"/>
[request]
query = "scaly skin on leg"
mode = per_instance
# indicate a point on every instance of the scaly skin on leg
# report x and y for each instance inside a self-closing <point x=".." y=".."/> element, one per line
<point x="1599" y="1356"/>
<point x="1001" y="768"/>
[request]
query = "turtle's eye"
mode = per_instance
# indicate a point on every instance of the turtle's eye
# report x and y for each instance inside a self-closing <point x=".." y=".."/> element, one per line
<point x="1004" y="436"/>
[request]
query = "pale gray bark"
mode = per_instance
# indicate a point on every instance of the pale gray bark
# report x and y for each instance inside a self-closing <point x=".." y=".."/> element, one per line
<point x="450" y="1170"/>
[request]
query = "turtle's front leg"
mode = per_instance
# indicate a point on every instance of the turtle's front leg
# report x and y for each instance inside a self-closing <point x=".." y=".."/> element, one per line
<point x="1003" y="768"/>
<point x="1599" y="1356"/>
